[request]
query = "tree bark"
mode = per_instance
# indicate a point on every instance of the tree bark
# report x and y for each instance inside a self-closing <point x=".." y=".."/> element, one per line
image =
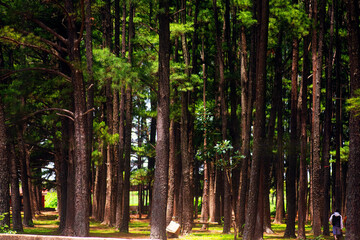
<point x="81" y="161"/>
<point x="15" y="193"/>
<point x="303" y="184"/>
<point x="293" y="155"/>
<point x="317" y="52"/>
<point x="327" y="125"/>
<point x="254" y="210"/>
<point x="4" y="172"/>
<point x="27" y="220"/>
<point x="353" y="177"/>
<point x="158" y="214"/>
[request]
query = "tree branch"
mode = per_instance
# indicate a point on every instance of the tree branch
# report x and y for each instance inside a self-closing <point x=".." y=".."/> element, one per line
<point x="36" y="47"/>
<point x="51" y="109"/>
<point x="82" y="23"/>
<point x="9" y="73"/>
<point x="46" y="28"/>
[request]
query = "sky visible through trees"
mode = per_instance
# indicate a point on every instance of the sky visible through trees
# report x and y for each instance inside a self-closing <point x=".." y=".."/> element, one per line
<point x="202" y="107"/>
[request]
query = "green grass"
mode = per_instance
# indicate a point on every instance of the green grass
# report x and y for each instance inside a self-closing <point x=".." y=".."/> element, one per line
<point x="47" y="224"/>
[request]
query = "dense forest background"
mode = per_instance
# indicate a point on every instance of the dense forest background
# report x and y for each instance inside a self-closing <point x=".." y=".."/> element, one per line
<point x="204" y="107"/>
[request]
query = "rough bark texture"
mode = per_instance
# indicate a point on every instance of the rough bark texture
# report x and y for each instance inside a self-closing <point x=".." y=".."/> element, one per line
<point x="256" y="186"/>
<point x="81" y="164"/>
<point x="109" y="211"/>
<point x="15" y="193"/>
<point x="124" y="226"/>
<point x="291" y="171"/>
<point x="327" y="125"/>
<point x="4" y="171"/>
<point x="317" y="50"/>
<point x="27" y="220"/>
<point x="158" y="214"/>
<point x="303" y="144"/>
<point x="353" y="177"/>
<point x="246" y="103"/>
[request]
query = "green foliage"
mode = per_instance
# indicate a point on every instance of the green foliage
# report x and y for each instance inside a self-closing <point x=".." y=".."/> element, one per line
<point x="344" y="153"/>
<point x="145" y="150"/>
<point x="141" y="176"/>
<point x="51" y="200"/>
<point x="180" y="80"/>
<point x="177" y="29"/>
<point x="108" y="66"/>
<point x="222" y="149"/>
<point x="101" y="133"/>
<point x="4" y="228"/>
<point x="354" y="103"/>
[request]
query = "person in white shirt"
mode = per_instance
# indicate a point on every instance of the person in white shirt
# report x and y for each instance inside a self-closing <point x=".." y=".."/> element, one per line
<point x="337" y="222"/>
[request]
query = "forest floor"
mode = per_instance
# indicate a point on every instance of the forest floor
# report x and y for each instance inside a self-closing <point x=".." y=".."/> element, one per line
<point x="47" y="223"/>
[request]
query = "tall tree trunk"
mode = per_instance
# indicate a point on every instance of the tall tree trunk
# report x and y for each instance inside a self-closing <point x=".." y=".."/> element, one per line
<point x="223" y="113"/>
<point x="303" y="184"/>
<point x="187" y="193"/>
<point x="353" y="177"/>
<point x="27" y="220"/>
<point x="120" y="190"/>
<point x="317" y="49"/>
<point x="4" y="172"/>
<point x="337" y="188"/>
<point x="90" y="82"/>
<point x="205" y="196"/>
<point x="276" y="102"/>
<point x="279" y="161"/>
<point x="246" y="116"/>
<point x="327" y="125"/>
<point x="109" y="213"/>
<point x="172" y="163"/>
<point x="15" y="193"/>
<point x="254" y="210"/>
<point x="293" y="155"/>
<point x="81" y="161"/>
<point x="158" y="214"/>
<point x="124" y="226"/>
<point x="68" y="197"/>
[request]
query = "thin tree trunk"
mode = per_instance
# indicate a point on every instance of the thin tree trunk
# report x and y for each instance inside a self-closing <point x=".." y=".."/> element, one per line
<point x="4" y="172"/>
<point x="124" y="226"/>
<point x="120" y="190"/>
<point x="337" y="187"/>
<point x="246" y="103"/>
<point x="302" y="203"/>
<point x="293" y="155"/>
<point x="90" y="83"/>
<point x="27" y="220"/>
<point x="15" y="193"/>
<point x="205" y="195"/>
<point x="353" y="177"/>
<point x="327" y="126"/>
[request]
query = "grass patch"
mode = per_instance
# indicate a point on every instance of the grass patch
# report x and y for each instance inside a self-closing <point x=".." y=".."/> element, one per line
<point x="47" y="224"/>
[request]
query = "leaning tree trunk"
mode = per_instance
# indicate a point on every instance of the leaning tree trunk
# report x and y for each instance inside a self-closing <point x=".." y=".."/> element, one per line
<point x="353" y="177"/>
